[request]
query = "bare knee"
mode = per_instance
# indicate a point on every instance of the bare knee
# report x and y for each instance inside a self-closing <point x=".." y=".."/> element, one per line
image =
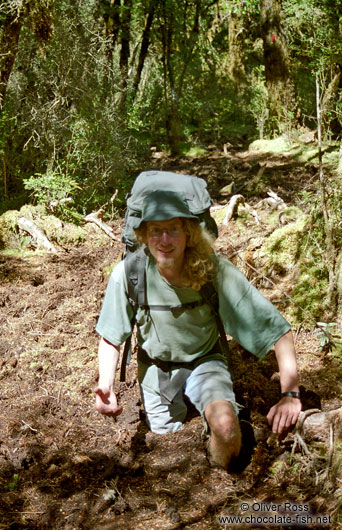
<point x="225" y="434"/>
<point x="222" y="421"/>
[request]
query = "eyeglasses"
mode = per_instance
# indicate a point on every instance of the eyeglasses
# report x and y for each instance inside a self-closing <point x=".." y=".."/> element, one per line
<point x="155" y="232"/>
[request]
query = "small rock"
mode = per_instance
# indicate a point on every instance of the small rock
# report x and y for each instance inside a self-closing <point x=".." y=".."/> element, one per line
<point x="13" y="362"/>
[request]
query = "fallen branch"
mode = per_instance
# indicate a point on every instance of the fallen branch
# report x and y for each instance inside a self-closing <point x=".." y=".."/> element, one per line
<point x="36" y="233"/>
<point x="95" y="218"/>
<point x="298" y="434"/>
<point x="273" y="200"/>
<point x="59" y="202"/>
<point x="232" y="207"/>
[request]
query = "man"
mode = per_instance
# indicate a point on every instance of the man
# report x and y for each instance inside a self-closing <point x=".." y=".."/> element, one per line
<point x="178" y="349"/>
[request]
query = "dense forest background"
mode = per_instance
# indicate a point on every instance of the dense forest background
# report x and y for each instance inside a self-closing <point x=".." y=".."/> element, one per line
<point x="88" y="88"/>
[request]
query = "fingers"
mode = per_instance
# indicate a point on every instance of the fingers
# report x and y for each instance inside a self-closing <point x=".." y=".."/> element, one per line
<point x="112" y="412"/>
<point x="102" y="392"/>
<point x="282" y="415"/>
<point x="106" y="402"/>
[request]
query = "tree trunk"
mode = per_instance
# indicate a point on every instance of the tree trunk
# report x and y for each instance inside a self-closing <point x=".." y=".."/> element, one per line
<point x="236" y="33"/>
<point x="171" y="105"/>
<point x="173" y="72"/>
<point x="281" y="92"/>
<point x="331" y="252"/>
<point x="339" y="168"/>
<point x="125" y="50"/>
<point x="329" y="99"/>
<point x="172" y="127"/>
<point x="144" y="45"/>
<point x="9" y="46"/>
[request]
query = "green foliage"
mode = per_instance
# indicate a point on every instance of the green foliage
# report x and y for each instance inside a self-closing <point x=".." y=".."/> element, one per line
<point x="67" y="117"/>
<point x="312" y="39"/>
<point x="312" y="275"/>
<point x="326" y="334"/>
<point x="259" y="101"/>
<point x="50" y="187"/>
<point x="13" y="484"/>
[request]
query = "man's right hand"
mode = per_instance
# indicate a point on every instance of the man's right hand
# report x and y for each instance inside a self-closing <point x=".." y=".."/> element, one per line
<point x="106" y="402"/>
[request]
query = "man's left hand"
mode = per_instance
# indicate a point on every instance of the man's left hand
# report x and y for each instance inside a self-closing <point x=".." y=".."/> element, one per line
<point x="284" y="414"/>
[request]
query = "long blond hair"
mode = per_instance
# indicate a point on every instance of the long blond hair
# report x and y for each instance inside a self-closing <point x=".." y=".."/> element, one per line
<point x="199" y="257"/>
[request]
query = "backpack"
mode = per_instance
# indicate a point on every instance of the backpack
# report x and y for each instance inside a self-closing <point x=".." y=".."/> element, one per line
<point x="193" y="188"/>
<point x="199" y="202"/>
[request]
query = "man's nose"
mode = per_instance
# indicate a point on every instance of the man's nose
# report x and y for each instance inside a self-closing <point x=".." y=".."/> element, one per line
<point x="165" y="238"/>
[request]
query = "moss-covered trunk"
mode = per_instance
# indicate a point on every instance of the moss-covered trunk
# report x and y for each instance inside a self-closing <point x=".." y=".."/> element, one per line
<point x="281" y="91"/>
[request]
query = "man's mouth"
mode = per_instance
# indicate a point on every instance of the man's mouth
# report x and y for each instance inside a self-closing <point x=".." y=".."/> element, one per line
<point x="165" y="251"/>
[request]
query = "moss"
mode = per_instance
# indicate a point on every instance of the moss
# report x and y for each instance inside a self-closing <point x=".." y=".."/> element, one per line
<point x="288" y="251"/>
<point x="301" y="152"/>
<point x="59" y="232"/>
<point x="277" y="145"/>
<point x="8" y="229"/>
<point x="31" y="211"/>
<point x="195" y="151"/>
<point x="219" y="214"/>
<point x="56" y="230"/>
<point x="288" y="215"/>
<point x="281" y="248"/>
<point x="309" y="291"/>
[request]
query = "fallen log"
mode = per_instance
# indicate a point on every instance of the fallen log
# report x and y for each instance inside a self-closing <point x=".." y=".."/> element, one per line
<point x="36" y="233"/>
<point x="315" y="424"/>
<point x="94" y="218"/>
<point x="232" y="207"/>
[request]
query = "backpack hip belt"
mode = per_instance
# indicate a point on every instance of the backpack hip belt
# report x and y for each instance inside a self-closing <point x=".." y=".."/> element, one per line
<point x="170" y="386"/>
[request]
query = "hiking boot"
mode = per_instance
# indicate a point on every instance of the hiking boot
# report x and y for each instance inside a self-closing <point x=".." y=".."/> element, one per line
<point x="248" y="443"/>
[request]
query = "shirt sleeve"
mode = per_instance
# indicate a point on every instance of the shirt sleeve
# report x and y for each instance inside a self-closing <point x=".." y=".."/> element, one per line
<point x="114" y="323"/>
<point x="247" y="315"/>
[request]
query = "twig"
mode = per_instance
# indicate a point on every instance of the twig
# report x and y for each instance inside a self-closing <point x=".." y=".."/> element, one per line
<point x="331" y="447"/>
<point x="27" y="426"/>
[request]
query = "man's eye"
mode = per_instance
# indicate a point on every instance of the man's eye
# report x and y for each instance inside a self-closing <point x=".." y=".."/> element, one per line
<point x="175" y="230"/>
<point x="154" y="231"/>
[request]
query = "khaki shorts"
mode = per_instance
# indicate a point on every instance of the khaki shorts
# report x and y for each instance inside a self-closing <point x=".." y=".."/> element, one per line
<point x="210" y="381"/>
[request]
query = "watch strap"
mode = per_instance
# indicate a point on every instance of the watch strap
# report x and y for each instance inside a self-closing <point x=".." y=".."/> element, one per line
<point x="290" y="394"/>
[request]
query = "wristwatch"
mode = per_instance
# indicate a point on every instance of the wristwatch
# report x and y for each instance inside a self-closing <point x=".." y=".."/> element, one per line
<point x="290" y="394"/>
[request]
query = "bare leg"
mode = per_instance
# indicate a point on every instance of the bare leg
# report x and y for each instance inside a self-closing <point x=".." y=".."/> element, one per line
<point x="225" y="435"/>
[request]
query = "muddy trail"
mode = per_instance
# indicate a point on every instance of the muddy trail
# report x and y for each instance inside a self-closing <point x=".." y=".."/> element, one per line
<point x="63" y="466"/>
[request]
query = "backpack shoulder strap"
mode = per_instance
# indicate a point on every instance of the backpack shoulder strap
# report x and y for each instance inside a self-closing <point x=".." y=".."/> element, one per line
<point x="210" y="295"/>
<point x="134" y="262"/>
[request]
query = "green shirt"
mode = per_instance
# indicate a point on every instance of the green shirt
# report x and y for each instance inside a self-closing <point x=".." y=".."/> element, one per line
<point x="185" y="335"/>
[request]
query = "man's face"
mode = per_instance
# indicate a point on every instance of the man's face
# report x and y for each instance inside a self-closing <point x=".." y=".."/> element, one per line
<point x="166" y="241"/>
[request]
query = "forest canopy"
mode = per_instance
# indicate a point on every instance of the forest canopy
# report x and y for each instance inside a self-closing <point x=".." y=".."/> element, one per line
<point x="87" y="88"/>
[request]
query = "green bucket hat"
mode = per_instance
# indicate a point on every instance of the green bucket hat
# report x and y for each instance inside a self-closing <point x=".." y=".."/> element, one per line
<point x="164" y="205"/>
